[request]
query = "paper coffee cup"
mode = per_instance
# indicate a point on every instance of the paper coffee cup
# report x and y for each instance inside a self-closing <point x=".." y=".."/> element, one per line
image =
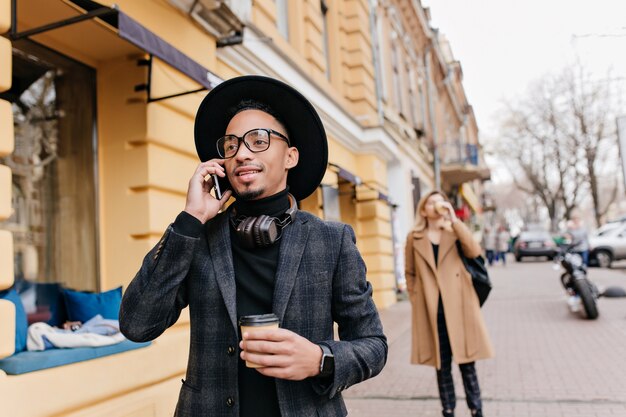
<point x="257" y="322"/>
<point x="441" y="208"/>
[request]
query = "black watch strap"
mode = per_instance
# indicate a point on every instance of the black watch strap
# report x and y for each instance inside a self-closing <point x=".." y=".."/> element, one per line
<point x="327" y="364"/>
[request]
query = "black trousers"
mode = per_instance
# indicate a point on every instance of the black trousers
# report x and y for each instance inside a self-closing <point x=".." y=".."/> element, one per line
<point x="444" y="375"/>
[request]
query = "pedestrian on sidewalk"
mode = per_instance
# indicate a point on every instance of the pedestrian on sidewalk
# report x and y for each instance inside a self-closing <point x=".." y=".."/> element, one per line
<point x="442" y="297"/>
<point x="260" y="257"/>
<point x="490" y="244"/>
<point x="502" y="244"/>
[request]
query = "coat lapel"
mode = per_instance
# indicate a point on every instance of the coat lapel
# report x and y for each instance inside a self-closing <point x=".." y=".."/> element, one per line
<point x="222" y="257"/>
<point x="292" y="247"/>
<point x="425" y="249"/>
<point x="447" y="243"/>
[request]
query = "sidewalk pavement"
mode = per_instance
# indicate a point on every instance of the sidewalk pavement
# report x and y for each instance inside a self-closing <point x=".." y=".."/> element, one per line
<point x="548" y="363"/>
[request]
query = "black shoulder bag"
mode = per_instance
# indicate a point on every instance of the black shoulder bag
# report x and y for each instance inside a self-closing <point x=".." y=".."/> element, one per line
<point x="478" y="271"/>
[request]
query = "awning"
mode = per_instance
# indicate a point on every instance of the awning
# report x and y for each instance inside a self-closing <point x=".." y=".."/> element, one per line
<point x="470" y="197"/>
<point x="344" y="174"/>
<point x="71" y="12"/>
<point x="350" y="177"/>
<point x="385" y="198"/>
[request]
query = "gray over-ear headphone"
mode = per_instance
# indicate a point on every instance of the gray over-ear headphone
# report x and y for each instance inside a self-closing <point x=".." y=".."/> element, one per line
<point x="263" y="230"/>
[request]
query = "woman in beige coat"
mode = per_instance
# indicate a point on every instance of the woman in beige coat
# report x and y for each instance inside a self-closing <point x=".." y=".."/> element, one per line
<point x="446" y="318"/>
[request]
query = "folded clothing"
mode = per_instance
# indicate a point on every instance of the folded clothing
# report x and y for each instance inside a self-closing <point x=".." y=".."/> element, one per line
<point x="95" y="332"/>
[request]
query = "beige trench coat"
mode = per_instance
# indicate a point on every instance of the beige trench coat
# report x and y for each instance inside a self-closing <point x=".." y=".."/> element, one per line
<point x="466" y="328"/>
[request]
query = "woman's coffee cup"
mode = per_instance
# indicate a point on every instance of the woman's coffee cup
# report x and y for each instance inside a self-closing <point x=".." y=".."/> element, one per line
<point x="440" y="207"/>
<point x="254" y="323"/>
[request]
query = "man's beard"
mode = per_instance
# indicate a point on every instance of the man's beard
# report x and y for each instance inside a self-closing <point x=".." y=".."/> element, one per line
<point x="250" y="194"/>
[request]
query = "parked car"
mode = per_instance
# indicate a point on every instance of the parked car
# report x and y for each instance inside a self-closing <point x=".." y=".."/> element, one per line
<point x="608" y="244"/>
<point x="534" y="243"/>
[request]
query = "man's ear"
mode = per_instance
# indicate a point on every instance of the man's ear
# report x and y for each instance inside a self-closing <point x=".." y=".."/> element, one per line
<point x="292" y="157"/>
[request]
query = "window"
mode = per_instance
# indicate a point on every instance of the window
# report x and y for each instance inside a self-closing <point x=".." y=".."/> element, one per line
<point x="404" y="86"/>
<point x="324" y="10"/>
<point x="282" y="18"/>
<point x="330" y="198"/>
<point x="53" y="165"/>
<point x="417" y="190"/>
<point x="414" y="97"/>
<point x="395" y="74"/>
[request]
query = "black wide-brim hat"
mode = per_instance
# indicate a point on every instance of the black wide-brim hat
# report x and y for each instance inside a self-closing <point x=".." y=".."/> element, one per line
<point x="302" y="122"/>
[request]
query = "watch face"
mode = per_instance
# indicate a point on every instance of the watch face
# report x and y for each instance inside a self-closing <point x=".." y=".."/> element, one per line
<point x="328" y="364"/>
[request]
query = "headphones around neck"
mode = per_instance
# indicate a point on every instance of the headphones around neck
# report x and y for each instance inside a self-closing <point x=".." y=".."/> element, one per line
<point x="262" y="231"/>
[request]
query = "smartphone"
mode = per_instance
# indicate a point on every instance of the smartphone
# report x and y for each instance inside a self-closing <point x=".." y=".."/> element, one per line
<point x="216" y="187"/>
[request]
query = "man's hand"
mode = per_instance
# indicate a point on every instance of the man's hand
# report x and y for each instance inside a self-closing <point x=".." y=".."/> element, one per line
<point x="200" y="203"/>
<point x="281" y="353"/>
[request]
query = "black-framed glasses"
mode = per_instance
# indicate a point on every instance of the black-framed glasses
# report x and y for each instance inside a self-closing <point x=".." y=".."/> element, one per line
<point x="257" y="140"/>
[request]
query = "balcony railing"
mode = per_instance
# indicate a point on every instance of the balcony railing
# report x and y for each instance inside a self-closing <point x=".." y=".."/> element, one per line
<point x="459" y="153"/>
<point x="461" y="163"/>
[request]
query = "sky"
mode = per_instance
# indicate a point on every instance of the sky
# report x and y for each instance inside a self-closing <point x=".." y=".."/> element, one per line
<point x="503" y="45"/>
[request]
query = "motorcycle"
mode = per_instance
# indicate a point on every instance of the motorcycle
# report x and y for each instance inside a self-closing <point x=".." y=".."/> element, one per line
<point x="582" y="293"/>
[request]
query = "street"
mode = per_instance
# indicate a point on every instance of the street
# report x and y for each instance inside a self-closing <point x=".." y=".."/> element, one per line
<point x="549" y="362"/>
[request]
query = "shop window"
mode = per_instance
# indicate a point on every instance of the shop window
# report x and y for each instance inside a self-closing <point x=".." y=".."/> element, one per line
<point x="54" y="221"/>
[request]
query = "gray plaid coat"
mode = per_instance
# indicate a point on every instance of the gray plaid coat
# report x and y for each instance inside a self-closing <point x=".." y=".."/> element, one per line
<point x="320" y="280"/>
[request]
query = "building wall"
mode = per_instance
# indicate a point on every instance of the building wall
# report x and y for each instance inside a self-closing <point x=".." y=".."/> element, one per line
<point x="146" y="154"/>
<point x="349" y="61"/>
<point x="407" y="96"/>
<point x="345" y="76"/>
<point x="425" y="111"/>
<point x="7" y="309"/>
<point x="145" y="157"/>
<point x="138" y="198"/>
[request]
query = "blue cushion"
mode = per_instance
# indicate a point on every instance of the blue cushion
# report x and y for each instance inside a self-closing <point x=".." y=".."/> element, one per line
<point x="21" y="324"/>
<point x="49" y="303"/>
<point x="82" y="306"/>
<point x="35" y="361"/>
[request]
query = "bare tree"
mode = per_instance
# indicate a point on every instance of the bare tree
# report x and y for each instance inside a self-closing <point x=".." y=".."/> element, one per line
<point x="590" y="126"/>
<point x="536" y="150"/>
<point x="559" y="142"/>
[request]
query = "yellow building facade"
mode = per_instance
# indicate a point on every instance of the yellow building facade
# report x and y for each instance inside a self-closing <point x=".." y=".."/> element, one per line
<point x="100" y="110"/>
<point x="425" y="114"/>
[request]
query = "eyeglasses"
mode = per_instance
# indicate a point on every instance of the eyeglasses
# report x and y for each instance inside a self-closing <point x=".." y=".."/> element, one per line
<point x="256" y="140"/>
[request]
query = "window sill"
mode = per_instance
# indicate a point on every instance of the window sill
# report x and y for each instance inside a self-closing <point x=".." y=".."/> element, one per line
<point x="25" y="362"/>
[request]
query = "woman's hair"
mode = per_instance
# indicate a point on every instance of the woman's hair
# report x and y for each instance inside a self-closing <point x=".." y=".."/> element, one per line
<point x="420" y="221"/>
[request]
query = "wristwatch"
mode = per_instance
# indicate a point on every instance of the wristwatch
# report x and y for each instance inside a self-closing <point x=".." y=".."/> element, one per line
<point x="327" y="364"/>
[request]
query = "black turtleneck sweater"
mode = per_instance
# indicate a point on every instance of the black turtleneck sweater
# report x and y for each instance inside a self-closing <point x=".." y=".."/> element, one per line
<point x="255" y="274"/>
<point x="255" y="268"/>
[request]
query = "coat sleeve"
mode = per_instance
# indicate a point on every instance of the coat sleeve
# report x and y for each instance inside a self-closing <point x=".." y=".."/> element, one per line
<point x="361" y="351"/>
<point x="155" y="297"/>
<point x="409" y="263"/>
<point x="471" y="248"/>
